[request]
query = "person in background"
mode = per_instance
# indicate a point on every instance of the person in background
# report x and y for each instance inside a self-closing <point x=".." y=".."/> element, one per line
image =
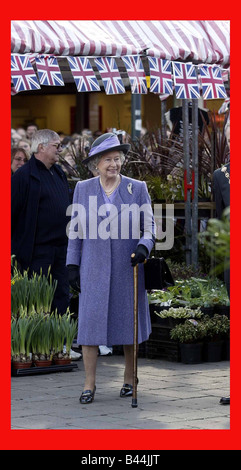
<point x="40" y="197"/>
<point x="221" y="186"/>
<point x="21" y="131"/>
<point x="18" y="158"/>
<point x="30" y="130"/>
<point x="26" y="145"/>
<point x="15" y="138"/>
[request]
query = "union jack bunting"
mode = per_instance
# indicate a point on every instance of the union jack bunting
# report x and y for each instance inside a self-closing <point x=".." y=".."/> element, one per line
<point x="22" y="74"/>
<point x="136" y="74"/>
<point x="212" y="82"/>
<point x="110" y="75"/>
<point x="160" y="76"/>
<point x="185" y="81"/>
<point x="83" y="74"/>
<point x="49" y="71"/>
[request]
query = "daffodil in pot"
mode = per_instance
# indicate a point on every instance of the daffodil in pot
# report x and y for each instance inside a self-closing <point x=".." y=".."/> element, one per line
<point x="190" y="336"/>
<point x="70" y="329"/>
<point x="22" y="330"/>
<point x="42" y="342"/>
<point x="35" y="292"/>
<point x="59" y="356"/>
<point x="64" y="332"/>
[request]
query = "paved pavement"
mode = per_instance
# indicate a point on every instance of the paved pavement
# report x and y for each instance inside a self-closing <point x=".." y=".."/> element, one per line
<point x="171" y="395"/>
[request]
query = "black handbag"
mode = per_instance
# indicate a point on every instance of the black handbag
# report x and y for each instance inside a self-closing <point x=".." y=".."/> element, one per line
<point x="157" y="274"/>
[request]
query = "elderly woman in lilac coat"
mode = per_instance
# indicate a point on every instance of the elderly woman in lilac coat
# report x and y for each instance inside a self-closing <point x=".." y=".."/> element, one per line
<point x="111" y="219"/>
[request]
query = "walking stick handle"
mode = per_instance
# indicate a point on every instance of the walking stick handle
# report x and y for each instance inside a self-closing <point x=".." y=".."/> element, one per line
<point x="133" y="256"/>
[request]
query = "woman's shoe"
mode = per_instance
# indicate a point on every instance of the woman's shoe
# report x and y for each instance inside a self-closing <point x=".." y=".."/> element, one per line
<point x="87" y="396"/>
<point x="127" y="390"/>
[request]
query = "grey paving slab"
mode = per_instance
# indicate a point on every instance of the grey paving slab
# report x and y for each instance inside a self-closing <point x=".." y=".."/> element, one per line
<point x="170" y="396"/>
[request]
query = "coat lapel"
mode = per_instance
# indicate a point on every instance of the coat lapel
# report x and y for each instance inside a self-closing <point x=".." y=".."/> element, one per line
<point x="122" y="200"/>
<point x="124" y="196"/>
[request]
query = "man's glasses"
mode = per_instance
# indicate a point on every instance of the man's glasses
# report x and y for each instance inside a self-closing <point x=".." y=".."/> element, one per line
<point x="58" y="146"/>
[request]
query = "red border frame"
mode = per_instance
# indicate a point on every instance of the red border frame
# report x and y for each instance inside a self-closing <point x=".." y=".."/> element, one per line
<point x="114" y="439"/>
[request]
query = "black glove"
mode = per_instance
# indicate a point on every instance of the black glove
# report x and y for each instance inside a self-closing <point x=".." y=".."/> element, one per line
<point x="140" y="255"/>
<point x="74" y="277"/>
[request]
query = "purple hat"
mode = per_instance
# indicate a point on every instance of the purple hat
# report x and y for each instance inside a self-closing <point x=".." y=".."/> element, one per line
<point x="104" y="144"/>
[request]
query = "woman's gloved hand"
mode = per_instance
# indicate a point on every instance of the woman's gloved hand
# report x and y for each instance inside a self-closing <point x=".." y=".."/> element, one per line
<point x="74" y="277"/>
<point x="141" y="254"/>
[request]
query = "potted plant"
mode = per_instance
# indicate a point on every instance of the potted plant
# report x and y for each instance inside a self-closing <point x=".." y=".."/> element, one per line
<point x="190" y="336"/>
<point x="176" y="315"/>
<point x="64" y="331"/>
<point x="58" y="337"/>
<point x="35" y="292"/>
<point x="22" y="330"/>
<point x="204" y="293"/>
<point x="42" y="341"/>
<point x="217" y="331"/>
<point x="160" y="300"/>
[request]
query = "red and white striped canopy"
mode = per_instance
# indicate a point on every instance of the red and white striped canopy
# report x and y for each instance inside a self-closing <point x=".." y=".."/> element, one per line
<point x="196" y="41"/>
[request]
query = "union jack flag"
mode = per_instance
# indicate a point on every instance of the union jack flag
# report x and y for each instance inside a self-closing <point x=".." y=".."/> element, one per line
<point x="49" y="71"/>
<point x="83" y="74"/>
<point x="136" y="74"/>
<point x="185" y="81"/>
<point x="160" y="76"/>
<point x="110" y="75"/>
<point x="212" y="82"/>
<point x="22" y="74"/>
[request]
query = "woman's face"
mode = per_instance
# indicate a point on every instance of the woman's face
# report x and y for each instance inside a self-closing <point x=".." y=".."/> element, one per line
<point x="109" y="165"/>
<point x="24" y="145"/>
<point x="18" y="161"/>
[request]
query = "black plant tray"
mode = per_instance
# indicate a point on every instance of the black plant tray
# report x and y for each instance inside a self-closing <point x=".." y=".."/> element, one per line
<point x="43" y="370"/>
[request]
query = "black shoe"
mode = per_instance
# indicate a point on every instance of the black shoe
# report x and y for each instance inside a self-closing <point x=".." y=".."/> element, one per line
<point x="127" y="390"/>
<point x="87" y="396"/>
<point x="225" y="401"/>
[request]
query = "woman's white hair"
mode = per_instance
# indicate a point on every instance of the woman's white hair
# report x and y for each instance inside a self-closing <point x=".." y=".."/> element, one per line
<point x="93" y="163"/>
<point x="44" y="136"/>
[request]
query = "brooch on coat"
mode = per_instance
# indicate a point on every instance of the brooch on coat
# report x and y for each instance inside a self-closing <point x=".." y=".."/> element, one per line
<point x="129" y="188"/>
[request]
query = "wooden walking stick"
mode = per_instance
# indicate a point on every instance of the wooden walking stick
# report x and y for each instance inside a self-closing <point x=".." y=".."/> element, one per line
<point x="135" y="342"/>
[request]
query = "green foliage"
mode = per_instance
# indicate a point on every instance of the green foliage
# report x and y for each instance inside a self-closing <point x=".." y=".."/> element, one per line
<point x="31" y="293"/>
<point x="41" y="336"/>
<point x="206" y="328"/>
<point x="169" y="188"/>
<point x="184" y="271"/>
<point x="189" y="332"/>
<point x="64" y="331"/>
<point x="216" y="327"/>
<point x="42" y="339"/>
<point x="22" y="331"/>
<point x="192" y="293"/>
<point x="216" y="240"/>
<point x="180" y="312"/>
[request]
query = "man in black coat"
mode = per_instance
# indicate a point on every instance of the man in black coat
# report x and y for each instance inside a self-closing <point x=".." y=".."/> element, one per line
<point x="221" y="182"/>
<point x="40" y="197"/>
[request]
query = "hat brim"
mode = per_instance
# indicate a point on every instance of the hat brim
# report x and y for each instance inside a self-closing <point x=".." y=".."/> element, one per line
<point x="121" y="148"/>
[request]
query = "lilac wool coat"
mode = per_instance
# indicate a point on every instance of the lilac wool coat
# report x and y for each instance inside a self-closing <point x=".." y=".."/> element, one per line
<point x="101" y="243"/>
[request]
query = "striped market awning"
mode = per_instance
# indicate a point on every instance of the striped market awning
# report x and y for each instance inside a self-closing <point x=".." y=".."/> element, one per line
<point x="206" y="42"/>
